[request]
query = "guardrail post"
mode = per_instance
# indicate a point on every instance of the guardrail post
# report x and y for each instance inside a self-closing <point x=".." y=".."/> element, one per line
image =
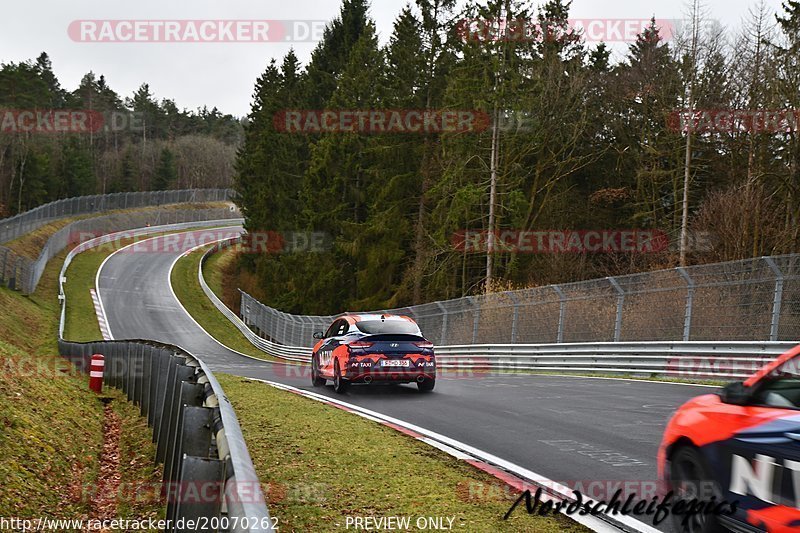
<point x="443" y="309"/>
<point x="476" y="314"/>
<point x="285" y="338"/>
<point x="244" y="310"/>
<point x="562" y="311"/>
<point x="620" y="304"/>
<point x="166" y="434"/>
<point x="138" y="374"/>
<point x="776" y="298"/>
<point x="690" y="288"/>
<point x="189" y="395"/>
<point x="5" y="252"/>
<point x="164" y="360"/>
<point x="515" y="317"/>
<point x="147" y="372"/>
<point x="194" y="471"/>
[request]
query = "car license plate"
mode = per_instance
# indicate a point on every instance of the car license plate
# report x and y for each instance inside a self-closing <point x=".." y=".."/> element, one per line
<point x="395" y="362"/>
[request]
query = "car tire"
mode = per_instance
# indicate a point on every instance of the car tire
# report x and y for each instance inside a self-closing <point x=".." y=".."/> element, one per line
<point x="340" y="385"/>
<point x="690" y="477"/>
<point x="316" y="379"/>
<point x="427" y="384"/>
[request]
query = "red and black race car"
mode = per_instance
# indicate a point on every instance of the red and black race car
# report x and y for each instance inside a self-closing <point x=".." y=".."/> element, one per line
<point x="373" y="348"/>
<point x="741" y="445"/>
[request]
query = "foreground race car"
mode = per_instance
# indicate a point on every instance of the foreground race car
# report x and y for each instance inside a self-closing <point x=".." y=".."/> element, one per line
<point x="366" y="349"/>
<point x="741" y="445"/>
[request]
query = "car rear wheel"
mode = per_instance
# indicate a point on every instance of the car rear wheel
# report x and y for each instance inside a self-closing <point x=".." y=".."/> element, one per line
<point x="691" y="479"/>
<point x="316" y="379"/>
<point x="339" y="383"/>
<point x="427" y="384"/>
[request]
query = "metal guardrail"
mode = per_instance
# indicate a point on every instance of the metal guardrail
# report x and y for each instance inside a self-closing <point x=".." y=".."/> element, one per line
<point x="687" y="360"/>
<point x="194" y="424"/>
<point x="750" y="300"/>
<point x="22" y="273"/>
<point x="209" y="476"/>
<point x="23" y="223"/>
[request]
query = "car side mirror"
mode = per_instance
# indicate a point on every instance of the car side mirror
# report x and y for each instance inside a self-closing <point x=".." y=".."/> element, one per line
<point x="736" y="393"/>
<point x="319" y="335"/>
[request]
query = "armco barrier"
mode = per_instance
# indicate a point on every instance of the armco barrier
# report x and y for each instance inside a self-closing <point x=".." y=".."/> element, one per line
<point x="208" y="473"/>
<point x="687" y="360"/>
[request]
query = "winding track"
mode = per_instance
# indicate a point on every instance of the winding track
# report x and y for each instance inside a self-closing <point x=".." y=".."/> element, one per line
<point x="565" y="428"/>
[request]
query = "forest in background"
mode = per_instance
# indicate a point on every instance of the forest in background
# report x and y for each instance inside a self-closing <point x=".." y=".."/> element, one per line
<point x="142" y="144"/>
<point x="598" y="153"/>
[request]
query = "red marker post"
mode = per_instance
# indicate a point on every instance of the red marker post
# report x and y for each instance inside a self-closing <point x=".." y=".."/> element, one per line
<point x="96" y="373"/>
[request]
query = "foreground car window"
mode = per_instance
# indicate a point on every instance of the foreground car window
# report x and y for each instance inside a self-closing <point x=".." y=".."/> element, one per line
<point x="782" y="387"/>
<point x="374" y="327"/>
<point x="784" y="392"/>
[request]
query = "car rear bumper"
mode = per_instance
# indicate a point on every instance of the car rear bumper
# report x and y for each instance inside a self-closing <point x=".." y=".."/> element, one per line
<point x="390" y="376"/>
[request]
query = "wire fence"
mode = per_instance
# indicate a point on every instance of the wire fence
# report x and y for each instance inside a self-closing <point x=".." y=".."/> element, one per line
<point x="23" y="223"/>
<point x="751" y="300"/>
<point x="23" y="273"/>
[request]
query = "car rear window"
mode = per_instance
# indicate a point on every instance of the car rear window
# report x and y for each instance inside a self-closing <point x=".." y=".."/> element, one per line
<point x="375" y="327"/>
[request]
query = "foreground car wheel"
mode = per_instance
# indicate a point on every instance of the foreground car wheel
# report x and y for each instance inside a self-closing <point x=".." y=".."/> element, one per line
<point x="691" y="479"/>
<point x="316" y="379"/>
<point x="427" y="384"/>
<point x="339" y="383"/>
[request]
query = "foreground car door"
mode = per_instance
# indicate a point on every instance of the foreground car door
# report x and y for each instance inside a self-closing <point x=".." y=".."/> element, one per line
<point x="761" y="469"/>
<point x="324" y="350"/>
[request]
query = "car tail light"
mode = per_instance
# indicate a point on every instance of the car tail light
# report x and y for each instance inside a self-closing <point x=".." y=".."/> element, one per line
<point x="360" y="344"/>
<point x="424" y="344"/>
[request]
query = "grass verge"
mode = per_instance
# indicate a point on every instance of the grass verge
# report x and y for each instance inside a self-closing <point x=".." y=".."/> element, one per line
<point x="215" y="267"/>
<point x="324" y="464"/>
<point x="187" y="289"/>
<point x="51" y="424"/>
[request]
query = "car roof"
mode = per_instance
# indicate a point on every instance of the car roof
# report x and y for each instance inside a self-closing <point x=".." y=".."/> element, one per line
<point x="356" y="318"/>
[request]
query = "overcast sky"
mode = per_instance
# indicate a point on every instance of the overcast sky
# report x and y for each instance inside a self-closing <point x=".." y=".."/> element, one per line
<point x="222" y="74"/>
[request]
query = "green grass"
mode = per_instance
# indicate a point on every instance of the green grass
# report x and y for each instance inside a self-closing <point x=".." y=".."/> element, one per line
<point x="214" y="268"/>
<point x="324" y="464"/>
<point x="51" y="425"/>
<point x="80" y="323"/>
<point x="187" y="289"/>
